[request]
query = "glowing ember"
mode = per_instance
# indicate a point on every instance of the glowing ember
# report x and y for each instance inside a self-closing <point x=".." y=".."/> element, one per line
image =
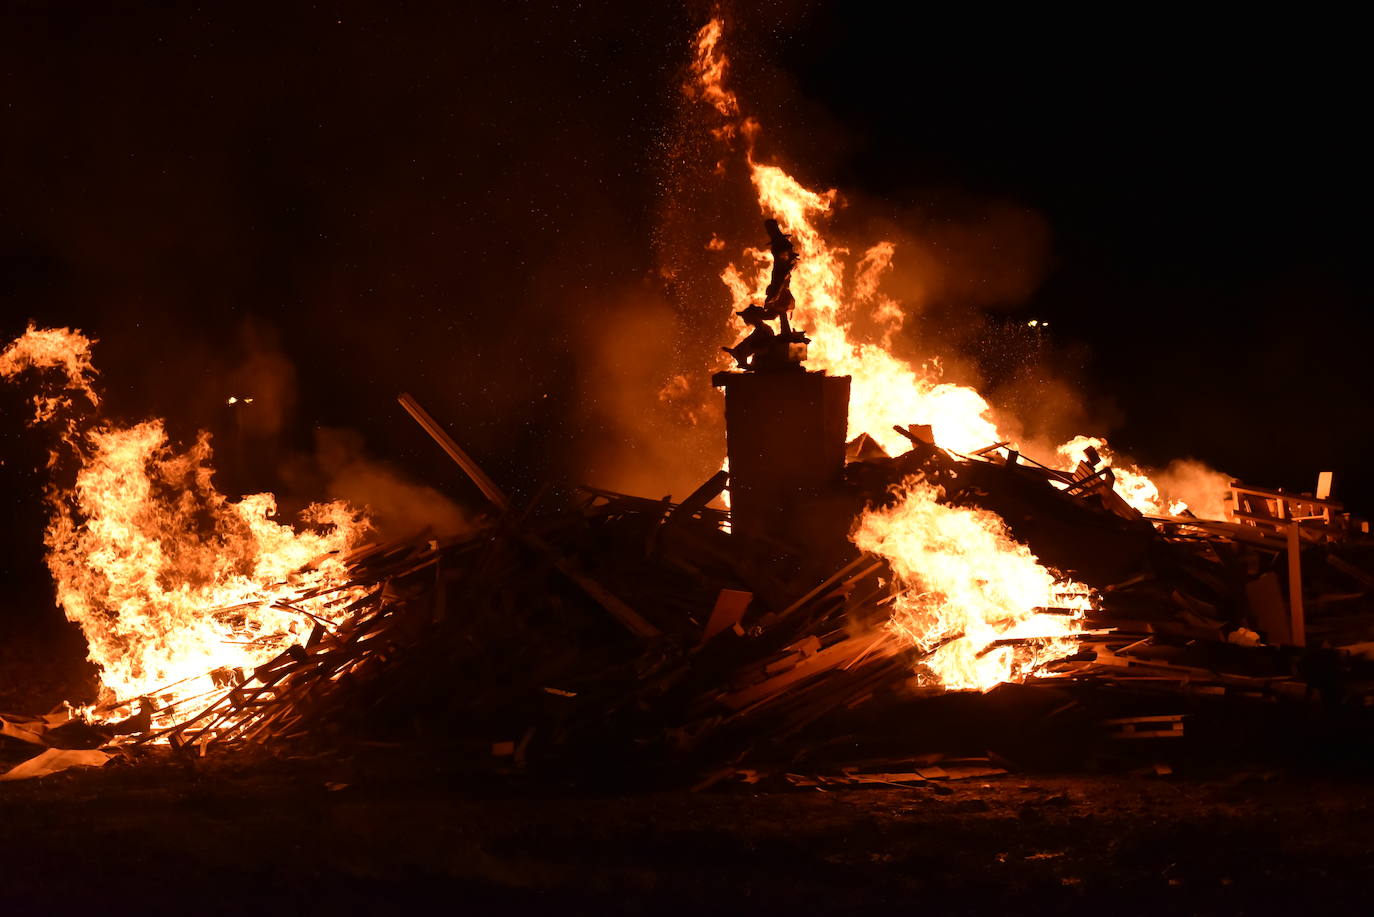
<point x="173" y="584"/>
<point x="965" y="585"/>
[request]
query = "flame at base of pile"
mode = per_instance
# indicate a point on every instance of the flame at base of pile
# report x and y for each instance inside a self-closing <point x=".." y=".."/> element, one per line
<point x="169" y="579"/>
<point x="972" y="599"/>
<point x="177" y="589"/>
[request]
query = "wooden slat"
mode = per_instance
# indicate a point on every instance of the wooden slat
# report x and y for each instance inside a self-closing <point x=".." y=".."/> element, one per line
<point x="633" y="620"/>
<point x="1295" y="608"/>
<point x="455" y="452"/>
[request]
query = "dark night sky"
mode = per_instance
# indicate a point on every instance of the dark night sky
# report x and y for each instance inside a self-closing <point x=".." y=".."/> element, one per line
<point x="448" y="200"/>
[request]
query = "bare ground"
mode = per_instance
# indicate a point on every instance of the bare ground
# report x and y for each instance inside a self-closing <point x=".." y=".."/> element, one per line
<point x="378" y="832"/>
<point x="346" y="837"/>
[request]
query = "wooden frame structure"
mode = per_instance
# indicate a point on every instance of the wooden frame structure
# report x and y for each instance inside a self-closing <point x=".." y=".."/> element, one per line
<point x="1289" y="519"/>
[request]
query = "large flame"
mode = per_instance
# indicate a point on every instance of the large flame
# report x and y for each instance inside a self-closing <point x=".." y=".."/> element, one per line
<point x="965" y="582"/>
<point x="971" y="598"/>
<point x="831" y="298"/>
<point x="886" y="389"/>
<point x="174" y="585"/>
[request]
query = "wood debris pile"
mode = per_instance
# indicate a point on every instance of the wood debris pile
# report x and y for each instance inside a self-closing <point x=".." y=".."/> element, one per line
<point x="598" y="632"/>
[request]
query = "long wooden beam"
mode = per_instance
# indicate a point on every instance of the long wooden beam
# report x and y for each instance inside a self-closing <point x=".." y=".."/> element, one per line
<point x="466" y="462"/>
<point x="633" y="621"/>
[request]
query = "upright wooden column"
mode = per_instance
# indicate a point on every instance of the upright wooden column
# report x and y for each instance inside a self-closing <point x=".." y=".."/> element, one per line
<point x="785" y="433"/>
<point x="1295" y="609"/>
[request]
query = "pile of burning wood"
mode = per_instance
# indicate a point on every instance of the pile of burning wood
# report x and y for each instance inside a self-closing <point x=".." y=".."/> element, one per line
<point x="600" y="631"/>
<point x="911" y="595"/>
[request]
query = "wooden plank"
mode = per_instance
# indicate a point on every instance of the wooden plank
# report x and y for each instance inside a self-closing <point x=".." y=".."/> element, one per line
<point x="455" y="452"/>
<point x="1238" y="488"/>
<point x="918" y="434"/>
<point x="633" y="620"/>
<point x="696" y="501"/>
<point x="18" y="731"/>
<point x="1268" y="614"/>
<point x="863" y="561"/>
<point x="1324" y="485"/>
<point x="730" y="607"/>
<point x="1272" y="522"/>
<point x="1350" y="570"/>
<point x="1146" y="727"/>
<point x="1295" y="609"/>
<point x="829" y="658"/>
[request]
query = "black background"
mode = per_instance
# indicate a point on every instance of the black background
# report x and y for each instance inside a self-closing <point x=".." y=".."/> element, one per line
<point x="356" y="201"/>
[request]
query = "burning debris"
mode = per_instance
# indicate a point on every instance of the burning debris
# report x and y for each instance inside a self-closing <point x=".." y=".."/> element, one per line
<point x="888" y="552"/>
<point x="852" y="587"/>
<point x="170" y="581"/>
<point x="764" y="349"/>
<point x="976" y="600"/>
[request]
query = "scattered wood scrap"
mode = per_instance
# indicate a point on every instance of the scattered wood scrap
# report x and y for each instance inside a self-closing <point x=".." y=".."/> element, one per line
<point x="603" y="633"/>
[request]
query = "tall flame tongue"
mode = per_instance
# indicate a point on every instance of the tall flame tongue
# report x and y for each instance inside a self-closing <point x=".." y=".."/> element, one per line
<point x="885" y="389"/>
<point x="966" y="584"/>
<point x="173" y="584"/>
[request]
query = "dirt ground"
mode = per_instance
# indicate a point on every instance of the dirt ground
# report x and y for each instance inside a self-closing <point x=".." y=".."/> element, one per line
<point x="324" y="835"/>
<point x="372" y="832"/>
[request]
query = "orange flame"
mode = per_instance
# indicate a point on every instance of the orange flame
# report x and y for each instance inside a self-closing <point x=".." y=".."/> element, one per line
<point x="172" y="583"/>
<point x="53" y="348"/>
<point x="1134" y="485"/>
<point x="708" y="70"/>
<point x="971" y="596"/>
<point x="965" y="582"/>
<point x="886" y="389"/>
